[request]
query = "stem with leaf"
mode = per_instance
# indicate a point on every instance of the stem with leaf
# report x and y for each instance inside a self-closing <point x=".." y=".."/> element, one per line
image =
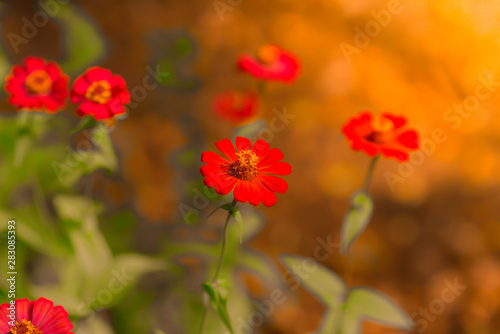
<point x="230" y="213"/>
<point x="352" y="256"/>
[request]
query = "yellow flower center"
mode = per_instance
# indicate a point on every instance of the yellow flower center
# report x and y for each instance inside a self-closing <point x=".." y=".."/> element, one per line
<point x="268" y="54"/>
<point x="245" y="168"/>
<point x="25" y="327"/>
<point x="99" y="92"/>
<point x="38" y="82"/>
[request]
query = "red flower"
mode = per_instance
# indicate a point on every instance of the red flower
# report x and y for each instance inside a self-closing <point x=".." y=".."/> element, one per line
<point x="35" y="317"/>
<point x="247" y="169"/>
<point x="37" y="85"/>
<point x="271" y="63"/>
<point x="101" y="94"/>
<point x="387" y="134"/>
<point x="235" y="106"/>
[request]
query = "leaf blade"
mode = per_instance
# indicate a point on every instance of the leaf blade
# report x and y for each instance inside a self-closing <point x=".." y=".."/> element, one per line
<point x="356" y="219"/>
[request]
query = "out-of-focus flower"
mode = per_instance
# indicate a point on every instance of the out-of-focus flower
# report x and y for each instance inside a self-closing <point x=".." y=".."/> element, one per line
<point x="247" y="169"/>
<point x="236" y="107"/>
<point x="37" y="85"/>
<point x="272" y="63"/>
<point x="101" y="94"/>
<point x="34" y="317"/>
<point x="386" y="135"/>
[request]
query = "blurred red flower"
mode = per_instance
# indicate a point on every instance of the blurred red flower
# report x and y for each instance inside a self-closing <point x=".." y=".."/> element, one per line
<point x="236" y="107"/>
<point x="35" y="317"/>
<point x="100" y="93"/>
<point x="271" y="63"/>
<point x="247" y="169"/>
<point x="386" y="135"/>
<point x="37" y="85"/>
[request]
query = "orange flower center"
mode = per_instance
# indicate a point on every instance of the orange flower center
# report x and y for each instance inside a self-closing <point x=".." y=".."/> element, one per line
<point x="38" y="82"/>
<point x="99" y="92"/>
<point x="268" y="54"/>
<point x="382" y="131"/>
<point x="245" y="168"/>
<point x="25" y="327"/>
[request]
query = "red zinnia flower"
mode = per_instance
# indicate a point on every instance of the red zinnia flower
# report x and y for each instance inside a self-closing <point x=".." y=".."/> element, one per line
<point x="235" y="106"/>
<point x="247" y="169"/>
<point x="387" y="134"/>
<point x="101" y="94"/>
<point x="35" y="317"/>
<point x="271" y="63"/>
<point x="37" y="85"/>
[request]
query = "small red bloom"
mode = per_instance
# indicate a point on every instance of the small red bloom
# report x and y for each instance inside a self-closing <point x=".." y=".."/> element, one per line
<point x="387" y="135"/>
<point x="235" y="106"/>
<point x="36" y="317"/>
<point x="100" y="93"/>
<point x="271" y="63"/>
<point x="247" y="169"/>
<point x="37" y="85"/>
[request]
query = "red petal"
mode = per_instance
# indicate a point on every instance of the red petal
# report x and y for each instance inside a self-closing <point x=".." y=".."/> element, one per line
<point x="260" y="147"/>
<point x="253" y="193"/>
<point x="216" y="177"/>
<point x="408" y="139"/>
<point x="278" y="168"/>
<point x="213" y="158"/>
<point x="273" y="183"/>
<point x="227" y="148"/>
<point x="19" y="72"/>
<point x="4" y="327"/>
<point x="267" y="197"/>
<point x="34" y="63"/>
<point x="100" y="112"/>
<point x="23" y="309"/>
<point x="115" y="107"/>
<point x="41" y="308"/>
<point x="243" y="143"/>
<point x="56" y="321"/>
<point x="240" y="192"/>
<point x="85" y="109"/>
<point x="394" y="153"/>
<point x="80" y="87"/>
<point x="398" y="121"/>
<point x="96" y="74"/>
<point x="270" y="157"/>
<point x="369" y="147"/>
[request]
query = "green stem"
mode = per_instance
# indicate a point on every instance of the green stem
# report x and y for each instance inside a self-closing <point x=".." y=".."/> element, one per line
<point x="24" y="140"/>
<point x="352" y="255"/>
<point x="219" y="266"/>
<point x="369" y="173"/>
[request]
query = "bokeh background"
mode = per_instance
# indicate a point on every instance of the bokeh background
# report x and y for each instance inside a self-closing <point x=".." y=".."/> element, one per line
<point x="436" y="218"/>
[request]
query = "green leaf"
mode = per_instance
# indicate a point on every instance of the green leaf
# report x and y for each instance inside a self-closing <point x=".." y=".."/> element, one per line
<point x="85" y="123"/>
<point x="319" y="280"/>
<point x="218" y="293"/>
<point x="159" y="331"/>
<point x="356" y="219"/>
<point x="365" y="303"/>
